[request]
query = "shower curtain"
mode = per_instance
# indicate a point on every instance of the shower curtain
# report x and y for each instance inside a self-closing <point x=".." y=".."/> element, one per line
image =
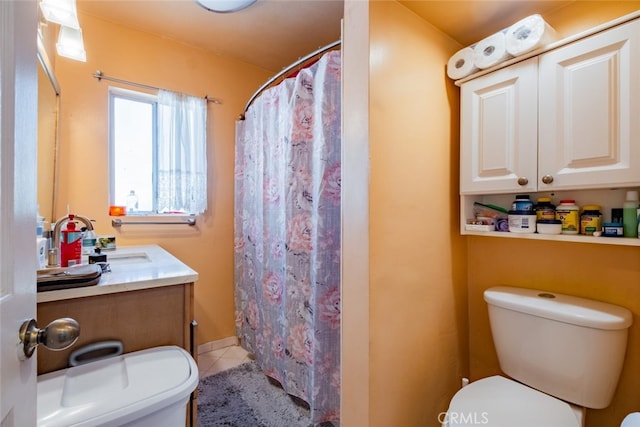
<point x="287" y="234"/>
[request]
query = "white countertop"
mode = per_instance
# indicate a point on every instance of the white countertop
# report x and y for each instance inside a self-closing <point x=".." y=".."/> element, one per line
<point x="132" y="268"/>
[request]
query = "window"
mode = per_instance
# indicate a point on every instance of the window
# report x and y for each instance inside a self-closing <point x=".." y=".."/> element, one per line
<point x="157" y="152"/>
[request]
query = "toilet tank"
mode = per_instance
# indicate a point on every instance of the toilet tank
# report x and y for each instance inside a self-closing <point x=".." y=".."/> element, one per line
<point x="569" y="347"/>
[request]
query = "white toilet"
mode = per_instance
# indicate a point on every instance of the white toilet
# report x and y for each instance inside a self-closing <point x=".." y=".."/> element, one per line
<point x="147" y="388"/>
<point x="562" y="354"/>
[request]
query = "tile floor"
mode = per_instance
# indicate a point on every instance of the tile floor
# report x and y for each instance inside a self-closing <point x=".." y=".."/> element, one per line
<point x="219" y="360"/>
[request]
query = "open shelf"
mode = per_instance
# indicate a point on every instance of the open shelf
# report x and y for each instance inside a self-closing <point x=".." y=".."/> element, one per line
<point x="608" y="199"/>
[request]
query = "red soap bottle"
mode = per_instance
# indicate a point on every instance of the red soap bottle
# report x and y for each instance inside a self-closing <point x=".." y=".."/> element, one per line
<point x="70" y="245"/>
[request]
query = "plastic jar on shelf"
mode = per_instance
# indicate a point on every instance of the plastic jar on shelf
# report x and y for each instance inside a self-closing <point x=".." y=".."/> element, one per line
<point x="522" y="203"/>
<point x="545" y="209"/>
<point x="590" y="220"/>
<point x="568" y="212"/>
<point x="522" y="221"/>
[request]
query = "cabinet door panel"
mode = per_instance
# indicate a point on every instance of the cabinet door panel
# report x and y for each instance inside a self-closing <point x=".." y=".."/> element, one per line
<point x="589" y="111"/>
<point x="141" y="319"/>
<point x="499" y="119"/>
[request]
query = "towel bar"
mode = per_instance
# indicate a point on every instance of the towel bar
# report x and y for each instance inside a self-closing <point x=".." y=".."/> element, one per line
<point x="187" y="221"/>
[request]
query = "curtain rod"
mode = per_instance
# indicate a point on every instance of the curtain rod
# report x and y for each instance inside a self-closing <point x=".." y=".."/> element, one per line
<point x="101" y="76"/>
<point x="286" y="70"/>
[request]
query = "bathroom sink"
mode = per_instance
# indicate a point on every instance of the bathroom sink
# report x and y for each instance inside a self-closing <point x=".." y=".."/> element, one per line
<point x="127" y="258"/>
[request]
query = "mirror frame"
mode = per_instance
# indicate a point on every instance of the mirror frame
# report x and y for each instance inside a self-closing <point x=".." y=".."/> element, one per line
<point x="47" y="67"/>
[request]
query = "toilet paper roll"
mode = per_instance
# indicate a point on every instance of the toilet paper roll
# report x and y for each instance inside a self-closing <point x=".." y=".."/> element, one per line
<point x="528" y="34"/>
<point x="490" y="51"/>
<point x="461" y="64"/>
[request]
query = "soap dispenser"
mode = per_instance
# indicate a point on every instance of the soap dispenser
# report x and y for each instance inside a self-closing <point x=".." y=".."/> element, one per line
<point x="89" y="241"/>
<point x="70" y="244"/>
<point x="41" y="243"/>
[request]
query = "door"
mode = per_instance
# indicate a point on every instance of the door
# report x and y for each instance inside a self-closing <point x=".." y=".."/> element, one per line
<point x="499" y="131"/>
<point x="589" y="110"/>
<point x="18" y="207"/>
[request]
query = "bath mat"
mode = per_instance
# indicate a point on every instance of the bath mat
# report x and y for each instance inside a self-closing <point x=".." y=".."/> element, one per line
<point x="244" y="397"/>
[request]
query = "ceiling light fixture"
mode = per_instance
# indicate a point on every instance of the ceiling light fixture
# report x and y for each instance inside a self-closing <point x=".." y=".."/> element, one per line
<point x="225" y="6"/>
<point x="70" y="44"/>
<point x="61" y="12"/>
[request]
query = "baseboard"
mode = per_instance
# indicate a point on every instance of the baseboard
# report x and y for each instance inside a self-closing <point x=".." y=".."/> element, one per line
<point x="218" y="344"/>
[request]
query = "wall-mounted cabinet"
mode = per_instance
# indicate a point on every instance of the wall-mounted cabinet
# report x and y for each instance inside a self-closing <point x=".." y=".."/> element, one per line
<point x="499" y="131"/>
<point x="589" y="106"/>
<point x="566" y="120"/>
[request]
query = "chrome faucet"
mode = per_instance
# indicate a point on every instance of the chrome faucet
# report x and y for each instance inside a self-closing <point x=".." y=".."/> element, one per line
<point x="53" y="257"/>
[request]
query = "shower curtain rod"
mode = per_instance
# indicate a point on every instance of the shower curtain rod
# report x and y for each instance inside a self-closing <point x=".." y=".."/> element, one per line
<point x="285" y="70"/>
<point x="101" y="76"/>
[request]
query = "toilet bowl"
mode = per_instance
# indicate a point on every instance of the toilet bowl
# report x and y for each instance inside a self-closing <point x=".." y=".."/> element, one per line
<point x="562" y="354"/>
<point x="141" y="389"/>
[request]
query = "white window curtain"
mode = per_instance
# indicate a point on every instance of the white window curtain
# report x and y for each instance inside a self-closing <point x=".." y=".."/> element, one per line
<point x="182" y="153"/>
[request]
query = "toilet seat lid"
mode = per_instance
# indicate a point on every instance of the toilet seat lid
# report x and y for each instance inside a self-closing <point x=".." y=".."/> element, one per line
<point x="500" y="402"/>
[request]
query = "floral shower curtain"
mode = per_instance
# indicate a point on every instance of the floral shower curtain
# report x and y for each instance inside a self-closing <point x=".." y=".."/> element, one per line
<point x="287" y="234"/>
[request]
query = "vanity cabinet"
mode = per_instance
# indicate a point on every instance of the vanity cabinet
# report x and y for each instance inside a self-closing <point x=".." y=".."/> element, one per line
<point x="566" y="119"/>
<point x="145" y="301"/>
<point x="141" y="319"/>
<point x="564" y="122"/>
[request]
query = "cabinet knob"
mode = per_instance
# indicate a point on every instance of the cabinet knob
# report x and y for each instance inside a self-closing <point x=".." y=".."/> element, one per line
<point x="547" y="179"/>
<point x="523" y="180"/>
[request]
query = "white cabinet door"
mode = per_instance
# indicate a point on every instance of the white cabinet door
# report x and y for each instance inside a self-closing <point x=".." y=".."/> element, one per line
<point x="499" y="131"/>
<point x="18" y="107"/>
<point x="589" y="135"/>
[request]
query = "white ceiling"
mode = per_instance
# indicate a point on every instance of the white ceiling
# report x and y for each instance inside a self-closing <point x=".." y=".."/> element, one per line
<point x="274" y="33"/>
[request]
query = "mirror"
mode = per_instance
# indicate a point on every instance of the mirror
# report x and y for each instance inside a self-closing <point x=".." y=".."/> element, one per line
<point x="48" y="106"/>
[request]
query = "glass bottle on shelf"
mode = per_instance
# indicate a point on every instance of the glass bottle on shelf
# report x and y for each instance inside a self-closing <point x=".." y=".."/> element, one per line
<point x="132" y="202"/>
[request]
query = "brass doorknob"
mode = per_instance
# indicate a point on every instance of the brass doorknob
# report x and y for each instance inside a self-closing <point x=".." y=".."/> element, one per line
<point x="523" y="180"/>
<point x="57" y="335"/>
<point x="547" y="179"/>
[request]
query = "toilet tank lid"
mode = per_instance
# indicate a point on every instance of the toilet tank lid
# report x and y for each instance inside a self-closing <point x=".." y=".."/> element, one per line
<point x="563" y="308"/>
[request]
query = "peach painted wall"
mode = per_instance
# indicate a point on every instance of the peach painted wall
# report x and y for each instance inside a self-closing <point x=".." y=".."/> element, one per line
<point x="418" y="314"/>
<point x="355" y="366"/>
<point x="606" y="273"/>
<point x="141" y="57"/>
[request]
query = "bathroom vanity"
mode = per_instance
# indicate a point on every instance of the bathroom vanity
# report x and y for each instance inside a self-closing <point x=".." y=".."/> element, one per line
<point x="145" y="301"/>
